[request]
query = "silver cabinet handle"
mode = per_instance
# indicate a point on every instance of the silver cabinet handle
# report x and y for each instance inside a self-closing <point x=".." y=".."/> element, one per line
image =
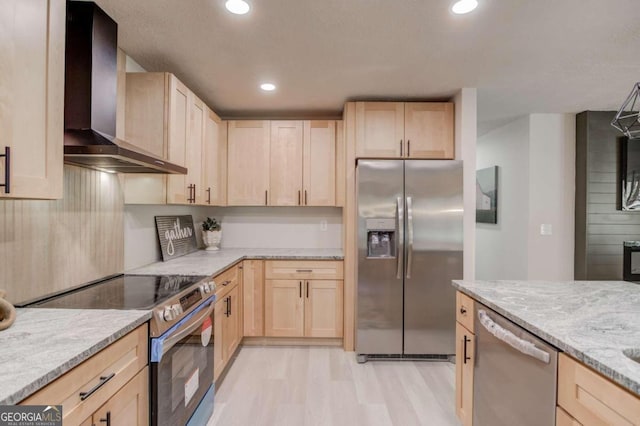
<point x="511" y="339"/>
<point x="7" y="170"/>
<point x="410" y="235"/>
<point x="400" y="245"/>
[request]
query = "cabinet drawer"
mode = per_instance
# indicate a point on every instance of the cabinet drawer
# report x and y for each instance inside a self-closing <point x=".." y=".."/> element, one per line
<point x="121" y="361"/>
<point x="464" y="311"/>
<point x="563" y="419"/>
<point x="303" y="270"/>
<point x="592" y="399"/>
<point x="226" y="281"/>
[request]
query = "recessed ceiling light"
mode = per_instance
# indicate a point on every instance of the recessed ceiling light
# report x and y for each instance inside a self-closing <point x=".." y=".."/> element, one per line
<point x="239" y="7"/>
<point x="268" y="87"/>
<point x="464" y="6"/>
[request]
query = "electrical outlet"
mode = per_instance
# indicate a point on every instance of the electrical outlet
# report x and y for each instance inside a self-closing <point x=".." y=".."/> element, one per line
<point x="323" y="225"/>
<point x="546" y="229"/>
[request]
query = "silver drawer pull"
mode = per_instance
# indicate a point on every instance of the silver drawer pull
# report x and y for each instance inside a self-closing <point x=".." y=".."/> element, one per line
<point x="103" y="380"/>
<point x="304" y="270"/>
<point x="511" y="339"/>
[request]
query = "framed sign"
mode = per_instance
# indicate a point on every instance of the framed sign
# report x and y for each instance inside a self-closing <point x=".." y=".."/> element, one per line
<point x="487" y="195"/>
<point x="176" y="236"/>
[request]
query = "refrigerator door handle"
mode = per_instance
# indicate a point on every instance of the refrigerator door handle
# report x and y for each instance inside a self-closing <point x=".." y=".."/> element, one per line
<point x="400" y="243"/>
<point x="409" y="235"/>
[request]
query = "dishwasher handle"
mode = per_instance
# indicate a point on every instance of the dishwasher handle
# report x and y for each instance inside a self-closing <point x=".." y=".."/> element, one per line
<point x="511" y="339"/>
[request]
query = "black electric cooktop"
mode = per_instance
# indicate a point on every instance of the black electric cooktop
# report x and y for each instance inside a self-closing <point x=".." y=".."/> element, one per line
<point x="122" y="292"/>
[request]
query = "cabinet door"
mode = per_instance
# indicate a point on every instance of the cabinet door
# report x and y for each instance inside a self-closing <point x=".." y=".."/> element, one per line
<point x="231" y="334"/>
<point x="253" y="297"/>
<point x="248" y="163"/>
<point x="32" y="46"/>
<point x="284" y="308"/>
<point x="286" y="163"/>
<point x="428" y="129"/>
<point x="319" y="164"/>
<point x="129" y="406"/>
<point x="379" y="129"/>
<point x="218" y="335"/>
<point x="215" y="167"/>
<point x="563" y="419"/>
<point x="146" y="111"/>
<point x="464" y="374"/>
<point x="323" y="308"/>
<point x="179" y="125"/>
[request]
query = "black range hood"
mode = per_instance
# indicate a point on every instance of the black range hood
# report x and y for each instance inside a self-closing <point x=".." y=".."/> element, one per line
<point x="91" y="80"/>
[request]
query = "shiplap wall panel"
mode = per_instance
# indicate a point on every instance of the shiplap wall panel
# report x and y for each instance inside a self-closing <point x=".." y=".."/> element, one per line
<point x="600" y="227"/>
<point x="49" y="246"/>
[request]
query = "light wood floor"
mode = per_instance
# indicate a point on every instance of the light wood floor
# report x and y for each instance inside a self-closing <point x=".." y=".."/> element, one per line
<point x="326" y="386"/>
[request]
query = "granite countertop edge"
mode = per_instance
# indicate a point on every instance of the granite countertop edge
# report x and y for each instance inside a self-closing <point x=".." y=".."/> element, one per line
<point x="75" y="360"/>
<point x="620" y="379"/>
<point x="199" y="261"/>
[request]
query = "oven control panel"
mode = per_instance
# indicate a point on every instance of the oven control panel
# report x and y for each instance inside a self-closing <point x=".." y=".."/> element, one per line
<point x="190" y="299"/>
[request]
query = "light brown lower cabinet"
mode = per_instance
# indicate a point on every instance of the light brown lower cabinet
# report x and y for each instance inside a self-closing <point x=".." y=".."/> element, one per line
<point x="129" y="406"/>
<point x="465" y="358"/>
<point x="253" y="297"/>
<point x="564" y="419"/>
<point x="114" y="381"/>
<point x="227" y="328"/>
<point x="592" y="399"/>
<point x="303" y="308"/>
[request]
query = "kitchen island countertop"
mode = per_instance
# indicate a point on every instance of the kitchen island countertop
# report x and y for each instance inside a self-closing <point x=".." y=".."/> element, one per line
<point x="593" y="321"/>
<point x="43" y="344"/>
<point x="204" y="262"/>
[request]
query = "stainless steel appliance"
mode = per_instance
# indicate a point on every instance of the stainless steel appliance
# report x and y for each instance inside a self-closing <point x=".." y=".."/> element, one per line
<point x="515" y="372"/>
<point x="91" y="78"/>
<point x="181" y="346"/>
<point x="409" y="249"/>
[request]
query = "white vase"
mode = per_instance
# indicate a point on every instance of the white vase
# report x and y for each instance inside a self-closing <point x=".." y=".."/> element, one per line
<point x="212" y="239"/>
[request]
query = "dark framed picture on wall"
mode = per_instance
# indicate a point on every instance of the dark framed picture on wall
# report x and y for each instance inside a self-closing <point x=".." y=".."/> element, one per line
<point x="487" y="195"/>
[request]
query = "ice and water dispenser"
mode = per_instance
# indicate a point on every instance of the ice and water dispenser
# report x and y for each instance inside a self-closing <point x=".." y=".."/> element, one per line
<point x="381" y="238"/>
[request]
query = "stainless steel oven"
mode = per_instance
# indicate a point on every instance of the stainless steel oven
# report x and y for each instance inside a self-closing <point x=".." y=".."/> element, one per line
<point x="182" y="370"/>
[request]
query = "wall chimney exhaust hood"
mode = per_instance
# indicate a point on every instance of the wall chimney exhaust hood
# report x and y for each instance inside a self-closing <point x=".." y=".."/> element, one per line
<point x="90" y="95"/>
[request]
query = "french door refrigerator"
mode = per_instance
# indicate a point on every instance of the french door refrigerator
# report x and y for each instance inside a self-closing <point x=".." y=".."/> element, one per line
<point x="409" y="249"/>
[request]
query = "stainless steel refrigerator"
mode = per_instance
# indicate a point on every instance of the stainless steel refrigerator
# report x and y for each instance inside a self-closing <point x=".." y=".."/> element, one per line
<point x="409" y="249"/>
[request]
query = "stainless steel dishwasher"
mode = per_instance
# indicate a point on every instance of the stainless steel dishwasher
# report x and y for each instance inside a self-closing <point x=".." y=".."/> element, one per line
<point x="514" y="374"/>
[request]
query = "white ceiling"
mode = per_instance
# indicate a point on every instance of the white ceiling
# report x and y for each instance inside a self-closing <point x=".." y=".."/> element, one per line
<point x="524" y="56"/>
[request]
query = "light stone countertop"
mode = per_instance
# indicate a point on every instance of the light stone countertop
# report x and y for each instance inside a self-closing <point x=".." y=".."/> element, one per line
<point x="594" y="321"/>
<point x="205" y="262"/>
<point x="43" y="344"/>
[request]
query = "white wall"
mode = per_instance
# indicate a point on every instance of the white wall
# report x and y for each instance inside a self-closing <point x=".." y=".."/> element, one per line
<point x="502" y="249"/>
<point x="242" y="227"/>
<point x="466" y="124"/>
<point x="551" y="195"/>
<point x="536" y="156"/>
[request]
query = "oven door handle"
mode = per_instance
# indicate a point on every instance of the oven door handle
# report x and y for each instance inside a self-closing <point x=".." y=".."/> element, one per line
<point x="161" y="345"/>
<point x="511" y="339"/>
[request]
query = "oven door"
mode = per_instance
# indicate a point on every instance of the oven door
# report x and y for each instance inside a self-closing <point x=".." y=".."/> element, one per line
<point x="182" y="368"/>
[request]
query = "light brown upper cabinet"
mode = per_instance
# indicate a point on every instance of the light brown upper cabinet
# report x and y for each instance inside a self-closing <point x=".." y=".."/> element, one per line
<point x="285" y="187"/>
<point x="300" y="165"/>
<point x="319" y="163"/>
<point x="248" y="163"/>
<point x="215" y="162"/>
<point x="166" y="119"/>
<point x="379" y="129"/>
<point x="32" y="42"/>
<point x="187" y="189"/>
<point x="428" y="130"/>
<point x="421" y="130"/>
